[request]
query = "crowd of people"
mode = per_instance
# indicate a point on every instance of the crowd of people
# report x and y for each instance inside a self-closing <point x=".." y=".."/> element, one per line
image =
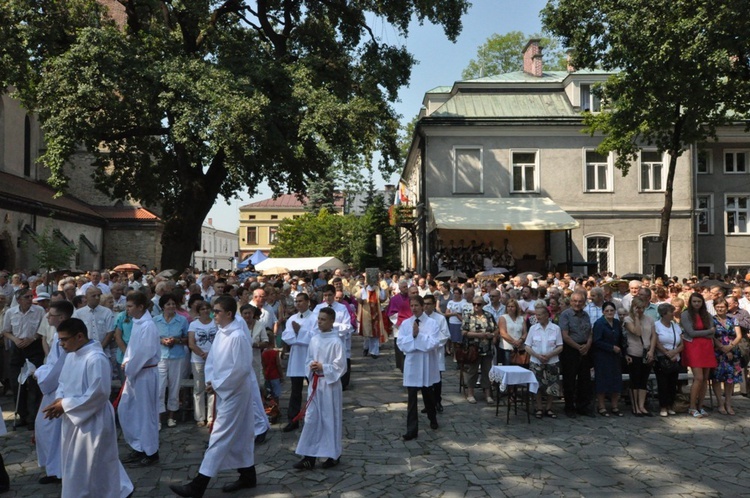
<point x="234" y="338"/>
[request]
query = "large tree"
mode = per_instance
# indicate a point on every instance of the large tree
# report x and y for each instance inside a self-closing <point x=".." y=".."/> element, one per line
<point x="181" y="102"/>
<point x="503" y="53"/>
<point x="681" y="66"/>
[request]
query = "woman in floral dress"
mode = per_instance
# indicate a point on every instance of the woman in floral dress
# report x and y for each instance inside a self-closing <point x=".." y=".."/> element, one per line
<point x="729" y="369"/>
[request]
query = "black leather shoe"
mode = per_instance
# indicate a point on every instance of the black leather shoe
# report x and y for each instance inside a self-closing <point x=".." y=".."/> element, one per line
<point x="331" y="463"/>
<point x="424" y="410"/>
<point x="365" y="352"/>
<point x="307" y="463"/>
<point x="133" y="457"/>
<point x="149" y="460"/>
<point x="439" y="407"/>
<point x="374" y="356"/>
<point x="261" y="438"/>
<point x="291" y="426"/>
<point x="409" y="437"/>
<point x="434" y="425"/>
<point x="50" y="480"/>
<point x="193" y="489"/>
<point x="238" y="485"/>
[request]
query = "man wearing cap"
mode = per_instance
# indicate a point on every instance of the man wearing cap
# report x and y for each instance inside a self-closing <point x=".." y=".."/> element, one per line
<point x="19" y="326"/>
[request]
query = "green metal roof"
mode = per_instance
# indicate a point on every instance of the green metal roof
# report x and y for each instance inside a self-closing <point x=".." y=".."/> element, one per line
<point x="517" y="105"/>
<point x="546" y="77"/>
<point x="441" y="89"/>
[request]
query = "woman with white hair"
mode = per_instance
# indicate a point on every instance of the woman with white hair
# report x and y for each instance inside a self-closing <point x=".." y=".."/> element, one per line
<point x="544" y="343"/>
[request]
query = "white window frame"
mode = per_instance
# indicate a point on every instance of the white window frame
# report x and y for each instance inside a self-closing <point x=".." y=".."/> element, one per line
<point x="609" y="173"/>
<point x="709" y="210"/>
<point x="735" y="152"/>
<point x="457" y="148"/>
<point x="588" y="100"/>
<point x="726" y="213"/>
<point x="709" y="162"/>
<point x="537" y="162"/>
<point x="664" y="166"/>
<point x="732" y="264"/>
<point x="610" y="250"/>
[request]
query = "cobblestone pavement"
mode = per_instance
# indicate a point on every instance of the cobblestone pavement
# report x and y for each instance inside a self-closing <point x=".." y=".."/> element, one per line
<point x="473" y="453"/>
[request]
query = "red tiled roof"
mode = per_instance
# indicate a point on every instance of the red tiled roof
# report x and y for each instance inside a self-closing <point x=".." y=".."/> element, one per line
<point x="126" y="213"/>
<point x="16" y="187"/>
<point x="287" y="201"/>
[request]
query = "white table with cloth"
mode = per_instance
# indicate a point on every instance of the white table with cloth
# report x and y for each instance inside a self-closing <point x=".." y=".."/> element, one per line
<point x="513" y="375"/>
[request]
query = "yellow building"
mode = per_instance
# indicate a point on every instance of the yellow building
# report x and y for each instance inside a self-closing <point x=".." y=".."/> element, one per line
<point x="259" y="221"/>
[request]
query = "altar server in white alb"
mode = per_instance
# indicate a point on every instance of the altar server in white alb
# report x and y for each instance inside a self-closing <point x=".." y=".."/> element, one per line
<point x="138" y="408"/>
<point x="47" y="431"/>
<point x="430" y="309"/>
<point x="297" y="334"/>
<point x="323" y="430"/>
<point x="90" y="462"/>
<point x="342" y="325"/>
<point x="418" y="337"/>
<point x="228" y="373"/>
<point x="261" y="419"/>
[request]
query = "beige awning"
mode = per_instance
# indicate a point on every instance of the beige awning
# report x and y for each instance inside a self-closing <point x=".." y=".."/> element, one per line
<point x="479" y="213"/>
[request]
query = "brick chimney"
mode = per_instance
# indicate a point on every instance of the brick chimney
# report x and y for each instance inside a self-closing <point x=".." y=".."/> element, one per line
<point x="532" y="58"/>
<point x="210" y="222"/>
<point x="569" y="60"/>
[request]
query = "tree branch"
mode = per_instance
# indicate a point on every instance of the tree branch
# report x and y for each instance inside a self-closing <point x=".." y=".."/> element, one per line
<point x="135" y="132"/>
<point x="342" y="8"/>
<point x="228" y="7"/>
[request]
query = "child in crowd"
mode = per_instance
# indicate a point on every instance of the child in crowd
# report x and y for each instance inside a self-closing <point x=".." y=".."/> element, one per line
<point x="272" y="371"/>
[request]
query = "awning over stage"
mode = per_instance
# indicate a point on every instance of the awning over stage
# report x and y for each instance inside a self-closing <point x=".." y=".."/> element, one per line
<point x="479" y="213"/>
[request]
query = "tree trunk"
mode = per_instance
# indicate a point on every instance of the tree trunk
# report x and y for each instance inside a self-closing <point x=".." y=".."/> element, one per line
<point x="183" y="219"/>
<point x="666" y="212"/>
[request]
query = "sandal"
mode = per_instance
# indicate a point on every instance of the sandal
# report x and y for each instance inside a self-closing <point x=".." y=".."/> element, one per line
<point x="538" y="414"/>
<point x="617" y="413"/>
<point x="550" y="414"/>
<point x="603" y="412"/>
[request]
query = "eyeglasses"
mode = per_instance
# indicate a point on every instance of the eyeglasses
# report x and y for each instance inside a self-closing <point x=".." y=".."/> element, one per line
<point x="478" y="304"/>
<point x="217" y="311"/>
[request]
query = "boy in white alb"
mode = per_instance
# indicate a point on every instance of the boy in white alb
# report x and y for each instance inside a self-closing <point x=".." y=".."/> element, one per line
<point x="323" y="429"/>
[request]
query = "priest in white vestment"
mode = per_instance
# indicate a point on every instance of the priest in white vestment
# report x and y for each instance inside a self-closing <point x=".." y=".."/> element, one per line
<point x="229" y="375"/>
<point x="47" y="431"/>
<point x="418" y="339"/>
<point x="323" y="430"/>
<point x="299" y="329"/>
<point x="138" y="408"/>
<point x="90" y="462"/>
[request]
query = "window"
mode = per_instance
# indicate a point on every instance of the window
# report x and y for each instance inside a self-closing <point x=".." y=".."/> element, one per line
<point x="736" y="214"/>
<point x="589" y="100"/>
<point x="704" y="162"/>
<point x="468" y="174"/>
<point x="704" y="214"/>
<point x="274" y="216"/>
<point x="735" y="161"/>
<point x="252" y="235"/>
<point x="653" y="175"/>
<point x="273" y="235"/>
<point x="651" y="254"/>
<point x="251" y="217"/>
<point x="525" y="173"/>
<point x="598" y="172"/>
<point x="598" y="251"/>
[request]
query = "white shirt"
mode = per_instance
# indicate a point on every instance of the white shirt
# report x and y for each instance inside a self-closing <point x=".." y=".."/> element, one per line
<point x="99" y="321"/>
<point x="101" y="286"/>
<point x="298" y="342"/>
<point x="443" y="335"/>
<point x="23" y="325"/>
<point x="544" y="340"/>
<point x="669" y="337"/>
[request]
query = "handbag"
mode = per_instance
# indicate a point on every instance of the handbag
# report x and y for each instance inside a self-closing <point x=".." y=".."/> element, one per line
<point x="467" y="353"/>
<point x="520" y="357"/>
<point x="665" y="364"/>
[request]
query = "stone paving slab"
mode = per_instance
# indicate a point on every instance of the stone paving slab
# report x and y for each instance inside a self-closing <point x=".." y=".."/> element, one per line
<point x="472" y="454"/>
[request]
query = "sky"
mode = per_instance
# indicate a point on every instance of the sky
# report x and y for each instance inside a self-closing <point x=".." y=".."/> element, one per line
<point x="440" y="62"/>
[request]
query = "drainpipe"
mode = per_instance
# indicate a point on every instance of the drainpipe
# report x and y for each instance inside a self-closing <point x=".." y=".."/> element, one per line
<point x="693" y="203"/>
<point x="424" y="245"/>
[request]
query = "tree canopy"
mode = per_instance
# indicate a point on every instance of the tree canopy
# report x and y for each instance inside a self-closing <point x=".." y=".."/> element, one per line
<point x="503" y="54"/>
<point x="348" y="237"/>
<point x="180" y="102"/>
<point x="681" y="70"/>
